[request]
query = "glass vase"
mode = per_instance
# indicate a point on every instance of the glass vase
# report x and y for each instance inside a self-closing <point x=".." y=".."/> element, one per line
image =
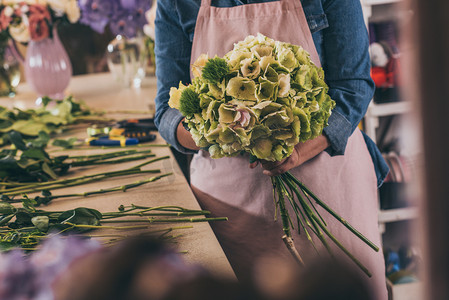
<point x="47" y="67"/>
<point x="9" y="72"/>
<point x="127" y="60"/>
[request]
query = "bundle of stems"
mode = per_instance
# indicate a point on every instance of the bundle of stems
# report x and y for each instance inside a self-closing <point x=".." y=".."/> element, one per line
<point x="26" y="227"/>
<point x="288" y="189"/>
<point x="17" y="188"/>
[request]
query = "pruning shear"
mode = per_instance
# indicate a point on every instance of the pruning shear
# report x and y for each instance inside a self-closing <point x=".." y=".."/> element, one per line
<point x="123" y="133"/>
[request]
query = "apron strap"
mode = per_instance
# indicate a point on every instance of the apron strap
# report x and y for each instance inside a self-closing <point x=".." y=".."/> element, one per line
<point x="205" y="3"/>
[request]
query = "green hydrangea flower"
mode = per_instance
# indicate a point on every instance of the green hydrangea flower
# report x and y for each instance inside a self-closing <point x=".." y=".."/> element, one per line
<point x="263" y="97"/>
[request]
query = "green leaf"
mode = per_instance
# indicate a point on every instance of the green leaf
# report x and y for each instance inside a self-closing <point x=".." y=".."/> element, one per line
<point x="17" y="140"/>
<point x="81" y="216"/>
<point x="5" y="123"/>
<point x="23" y="219"/>
<point x="36" y="153"/>
<point x="46" y="100"/>
<point x="41" y="141"/>
<point x="252" y="158"/>
<point x="52" y="119"/>
<point x="5" y="219"/>
<point x="9" y="165"/>
<point x="28" y="203"/>
<point x="46" y="168"/>
<point x="29" y="127"/>
<point x="66" y="144"/>
<point x="7" y="209"/>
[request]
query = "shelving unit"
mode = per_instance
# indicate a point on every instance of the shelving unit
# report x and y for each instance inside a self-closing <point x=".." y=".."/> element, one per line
<point x="379" y="10"/>
<point x="381" y="110"/>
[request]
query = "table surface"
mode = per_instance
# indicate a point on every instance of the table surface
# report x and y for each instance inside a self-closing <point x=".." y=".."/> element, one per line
<point x="99" y="91"/>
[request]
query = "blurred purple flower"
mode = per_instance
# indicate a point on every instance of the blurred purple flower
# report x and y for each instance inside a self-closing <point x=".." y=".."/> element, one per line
<point x="31" y="277"/>
<point x="125" y="17"/>
<point x="96" y="13"/>
<point x="16" y="276"/>
<point x="128" y="4"/>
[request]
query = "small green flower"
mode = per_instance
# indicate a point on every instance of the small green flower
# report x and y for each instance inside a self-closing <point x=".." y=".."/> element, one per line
<point x="215" y="70"/>
<point x="189" y="103"/>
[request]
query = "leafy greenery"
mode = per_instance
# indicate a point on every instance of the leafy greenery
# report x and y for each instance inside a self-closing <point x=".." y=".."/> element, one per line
<point x="26" y="226"/>
<point x="31" y="122"/>
<point x="29" y="162"/>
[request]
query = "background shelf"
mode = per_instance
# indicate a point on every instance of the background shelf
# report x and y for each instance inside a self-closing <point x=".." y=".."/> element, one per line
<point x="397" y="214"/>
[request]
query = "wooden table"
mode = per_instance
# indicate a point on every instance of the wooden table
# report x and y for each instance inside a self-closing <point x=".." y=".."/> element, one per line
<point x="99" y="91"/>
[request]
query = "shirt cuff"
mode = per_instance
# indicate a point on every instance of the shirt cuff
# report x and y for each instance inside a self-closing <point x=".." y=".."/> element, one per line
<point x="168" y="126"/>
<point x="338" y="132"/>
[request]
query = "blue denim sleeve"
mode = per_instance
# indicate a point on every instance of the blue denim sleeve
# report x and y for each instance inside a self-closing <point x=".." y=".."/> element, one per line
<point x="172" y="50"/>
<point x="347" y="68"/>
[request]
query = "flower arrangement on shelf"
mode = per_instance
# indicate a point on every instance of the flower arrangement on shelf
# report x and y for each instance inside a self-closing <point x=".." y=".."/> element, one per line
<point x="129" y="55"/>
<point x="27" y="20"/>
<point x="124" y="17"/>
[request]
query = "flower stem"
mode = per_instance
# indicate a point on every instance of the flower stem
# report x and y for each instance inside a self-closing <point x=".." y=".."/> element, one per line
<point x="122" y="188"/>
<point x="337" y="242"/>
<point x="109" y="154"/>
<point x="105" y="162"/>
<point x="334" y="214"/>
<point x="179" y="220"/>
<point x="286" y="221"/>
<point x="149" y="162"/>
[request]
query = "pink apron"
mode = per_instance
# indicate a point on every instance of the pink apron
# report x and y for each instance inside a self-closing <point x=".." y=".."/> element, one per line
<point x="228" y="187"/>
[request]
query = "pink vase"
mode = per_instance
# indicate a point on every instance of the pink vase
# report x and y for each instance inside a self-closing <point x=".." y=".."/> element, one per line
<point x="47" y="67"/>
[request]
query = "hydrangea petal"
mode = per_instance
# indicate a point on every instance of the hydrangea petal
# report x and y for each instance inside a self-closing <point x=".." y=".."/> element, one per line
<point x="241" y="88"/>
<point x="284" y="85"/>
<point x="250" y="68"/>
<point x="262" y="148"/>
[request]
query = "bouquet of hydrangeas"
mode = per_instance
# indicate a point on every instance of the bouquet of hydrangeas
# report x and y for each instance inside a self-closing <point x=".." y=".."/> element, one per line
<point x="26" y="20"/>
<point x="263" y="98"/>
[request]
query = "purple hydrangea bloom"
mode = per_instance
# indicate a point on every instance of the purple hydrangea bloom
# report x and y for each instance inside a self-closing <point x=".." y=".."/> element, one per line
<point x="97" y="13"/>
<point x="128" y="4"/>
<point x="25" y="277"/>
<point x="16" y="276"/>
<point x="125" y="17"/>
<point x="123" y="23"/>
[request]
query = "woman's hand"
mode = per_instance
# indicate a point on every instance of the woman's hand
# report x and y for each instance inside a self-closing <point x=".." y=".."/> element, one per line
<point x="185" y="138"/>
<point x="302" y="153"/>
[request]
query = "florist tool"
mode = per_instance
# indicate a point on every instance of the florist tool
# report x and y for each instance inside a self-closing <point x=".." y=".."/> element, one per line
<point x="123" y="133"/>
<point x="136" y="128"/>
<point x="112" y="141"/>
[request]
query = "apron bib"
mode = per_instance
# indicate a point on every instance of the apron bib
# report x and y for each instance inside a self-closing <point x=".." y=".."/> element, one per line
<point x="228" y="187"/>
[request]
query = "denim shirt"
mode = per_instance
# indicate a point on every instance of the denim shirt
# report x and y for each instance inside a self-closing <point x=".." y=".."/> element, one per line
<point x="340" y="37"/>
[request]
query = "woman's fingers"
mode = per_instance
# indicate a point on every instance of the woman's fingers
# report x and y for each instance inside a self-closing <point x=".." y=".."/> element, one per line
<point x="254" y="164"/>
<point x="280" y="168"/>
